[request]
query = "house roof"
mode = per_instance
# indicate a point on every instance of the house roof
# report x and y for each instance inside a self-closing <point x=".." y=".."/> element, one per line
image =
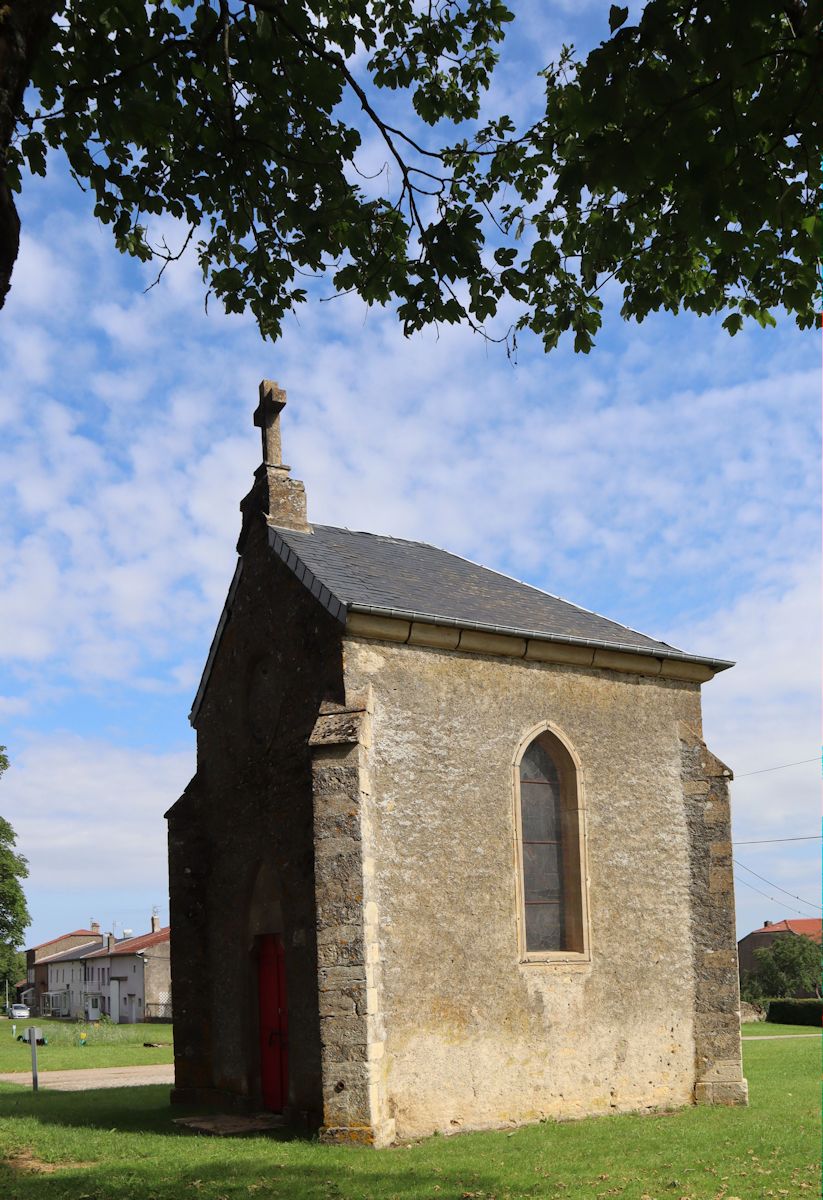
<point x="810" y="927"/>
<point x="81" y="951"/>
<point x="365" y="572"/>
<point x="59" y="938"/>
<point x="135" y="944"/>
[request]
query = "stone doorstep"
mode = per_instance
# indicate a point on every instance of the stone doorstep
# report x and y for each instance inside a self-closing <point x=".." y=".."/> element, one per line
<point x="233" y="1124"/>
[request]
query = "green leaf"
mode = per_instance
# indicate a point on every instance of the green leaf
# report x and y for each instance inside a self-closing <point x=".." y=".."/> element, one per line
<point x="617" y="16"/>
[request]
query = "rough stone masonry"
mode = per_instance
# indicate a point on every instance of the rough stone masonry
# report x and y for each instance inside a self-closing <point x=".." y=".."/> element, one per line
<point x="361" y="728"/>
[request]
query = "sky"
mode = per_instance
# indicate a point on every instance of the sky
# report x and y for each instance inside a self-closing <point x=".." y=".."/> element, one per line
<point x="669" y="480"/>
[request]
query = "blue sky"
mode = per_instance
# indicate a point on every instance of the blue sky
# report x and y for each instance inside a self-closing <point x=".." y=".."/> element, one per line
<point x="669" y="480"/>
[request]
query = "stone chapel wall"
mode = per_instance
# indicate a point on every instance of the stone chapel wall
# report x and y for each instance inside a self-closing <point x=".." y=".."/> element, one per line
<point x="241" y="840"/>
<point x="473" y="1036"/>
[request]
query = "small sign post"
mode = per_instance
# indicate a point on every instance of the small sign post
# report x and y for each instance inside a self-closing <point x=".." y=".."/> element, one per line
<point x="32" y="1034"/>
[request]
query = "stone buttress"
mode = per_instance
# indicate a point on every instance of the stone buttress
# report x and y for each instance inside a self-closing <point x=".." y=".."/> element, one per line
<point x="718" y="1062"/>
<point x="351" y="1024"/>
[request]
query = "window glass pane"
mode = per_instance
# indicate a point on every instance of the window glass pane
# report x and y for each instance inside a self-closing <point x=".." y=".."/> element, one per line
<point x="539" y="812"/>
<point x="544" y="927"/>
<point x="542" y="871"/>
<point x="536" y="764"/>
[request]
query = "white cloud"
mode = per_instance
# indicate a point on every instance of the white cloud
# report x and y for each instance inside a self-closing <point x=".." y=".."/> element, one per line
<point x="90" y="814"/>
<point x="765" y="713"/>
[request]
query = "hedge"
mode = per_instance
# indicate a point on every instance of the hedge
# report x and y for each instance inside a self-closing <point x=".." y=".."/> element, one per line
<point x="795" y="1012"/>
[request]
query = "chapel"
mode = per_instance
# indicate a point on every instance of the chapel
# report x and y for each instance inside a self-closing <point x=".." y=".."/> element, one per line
<point x="455" y="855"/>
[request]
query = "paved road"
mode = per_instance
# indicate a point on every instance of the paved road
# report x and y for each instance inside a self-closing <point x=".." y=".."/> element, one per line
<point x="91" y="1078"/>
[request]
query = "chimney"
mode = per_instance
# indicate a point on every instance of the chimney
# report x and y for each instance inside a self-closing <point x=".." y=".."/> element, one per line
<point x="95" y="927"/>
<point x="279" y="498"/>
<point x="110" y="942"/>
<point x="766" y="924"/>
<point x="155" y="923"/>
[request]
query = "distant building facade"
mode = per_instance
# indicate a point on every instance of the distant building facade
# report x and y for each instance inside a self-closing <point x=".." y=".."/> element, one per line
<point x="88" y="975"/>
<point x="37" y="972"/>
<point x="130" y="980"/>
<point x="66" y="992"/>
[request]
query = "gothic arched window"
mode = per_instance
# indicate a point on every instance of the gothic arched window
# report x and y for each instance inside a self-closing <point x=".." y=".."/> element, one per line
<point x="551" y="853"/>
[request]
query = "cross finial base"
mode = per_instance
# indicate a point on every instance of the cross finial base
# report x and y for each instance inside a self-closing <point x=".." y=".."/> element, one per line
<point x="278" y="498"/>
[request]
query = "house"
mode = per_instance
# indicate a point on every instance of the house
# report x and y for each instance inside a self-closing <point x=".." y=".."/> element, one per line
<point x="65" y="995"/>
<point x="455" y="854"/>
<point x="130" y="980"/>
<point x="761" y="939"/>
<point x="37" y="974"/>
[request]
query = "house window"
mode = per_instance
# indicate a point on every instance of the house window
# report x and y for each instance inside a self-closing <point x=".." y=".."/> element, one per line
<point x="551" y="852"/>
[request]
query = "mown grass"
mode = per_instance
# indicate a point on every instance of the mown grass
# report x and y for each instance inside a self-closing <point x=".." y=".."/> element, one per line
<point x="124" y="1147"/>
<point x="766" y="1029"/>
<point x="106" y="1045"/>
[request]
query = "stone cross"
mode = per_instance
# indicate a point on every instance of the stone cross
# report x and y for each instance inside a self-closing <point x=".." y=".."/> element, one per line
<point x="267" y="420"/>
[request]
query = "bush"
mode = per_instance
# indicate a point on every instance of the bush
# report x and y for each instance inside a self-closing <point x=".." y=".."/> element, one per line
<point x="795" y="1012"/>
<point x="751" y="989"/>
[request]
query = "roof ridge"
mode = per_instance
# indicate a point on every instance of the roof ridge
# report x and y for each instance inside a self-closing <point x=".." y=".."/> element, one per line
<point x="60" y="936"/>
<point x="384" y="537"/>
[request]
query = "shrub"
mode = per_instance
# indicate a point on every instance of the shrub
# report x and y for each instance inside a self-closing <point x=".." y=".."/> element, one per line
<point x="795" y="1012"/>
<point x="751" y="989"/>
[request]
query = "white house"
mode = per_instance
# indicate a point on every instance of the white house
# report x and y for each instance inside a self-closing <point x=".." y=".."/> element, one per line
<point x="65" y="994"/>
<point x="130" y="980"/>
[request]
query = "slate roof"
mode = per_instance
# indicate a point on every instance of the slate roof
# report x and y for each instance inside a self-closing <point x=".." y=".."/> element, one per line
<point x="77" y="952"/>
<point x="132" y="945"/>
<point x="364" y="572"/>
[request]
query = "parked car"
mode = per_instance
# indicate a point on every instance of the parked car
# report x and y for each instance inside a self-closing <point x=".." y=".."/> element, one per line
<point x="18" y="1012"/>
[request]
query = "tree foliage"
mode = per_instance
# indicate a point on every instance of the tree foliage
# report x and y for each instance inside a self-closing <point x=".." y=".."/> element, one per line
<point x="789" y="967"/>
<point x="14" y="914"/>
<point x="679" y="160"/>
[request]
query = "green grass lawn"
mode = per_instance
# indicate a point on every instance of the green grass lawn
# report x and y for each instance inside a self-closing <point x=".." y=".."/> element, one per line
<point x="106" y="1045"/>
<point x="121" y="1145"/>
<point x="766" y="1029"/>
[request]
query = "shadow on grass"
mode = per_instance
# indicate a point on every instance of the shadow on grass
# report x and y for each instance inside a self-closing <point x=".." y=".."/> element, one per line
<point x="281" y="1182"/>
<point x="144" y="1109"/>
<point x="84" y="1148"/>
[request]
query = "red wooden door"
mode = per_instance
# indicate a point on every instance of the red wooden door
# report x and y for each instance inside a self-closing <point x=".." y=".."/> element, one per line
<point x="271" y="989"/>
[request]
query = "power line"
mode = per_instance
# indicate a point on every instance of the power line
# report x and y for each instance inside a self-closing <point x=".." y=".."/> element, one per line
<point x="814" y="837"/>
<point x="771" y="883"/>
<point x="773" y="900"/>
<point x="782" y="767"/>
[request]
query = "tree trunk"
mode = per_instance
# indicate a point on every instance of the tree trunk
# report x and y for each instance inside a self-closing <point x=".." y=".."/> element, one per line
<point x="23" y="24"/>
